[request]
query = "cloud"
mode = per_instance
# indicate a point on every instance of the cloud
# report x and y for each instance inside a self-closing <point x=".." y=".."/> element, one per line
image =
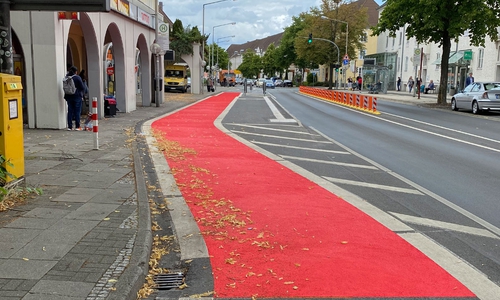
<point x="254" y="19"/>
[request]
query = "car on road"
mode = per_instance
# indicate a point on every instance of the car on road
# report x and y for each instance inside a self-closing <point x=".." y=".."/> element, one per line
<point x="269" y="84"/>
<point x="260" y="82"/>
<point x="476" y="97"/>
<point x="287" y="83"/>
<point x="278" y="82"/>
<point x="248" y="81"/>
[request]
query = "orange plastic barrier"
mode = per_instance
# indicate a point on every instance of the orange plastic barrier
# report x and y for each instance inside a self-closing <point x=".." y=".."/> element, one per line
<point x="352" y="99"/>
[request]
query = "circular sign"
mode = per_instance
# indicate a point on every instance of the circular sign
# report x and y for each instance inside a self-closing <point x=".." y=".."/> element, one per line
<point x="110" y="70"/>
<point x="163" y="28"/>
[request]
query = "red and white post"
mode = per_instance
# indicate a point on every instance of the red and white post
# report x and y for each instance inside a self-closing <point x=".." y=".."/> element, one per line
<point x="95" y="126"/>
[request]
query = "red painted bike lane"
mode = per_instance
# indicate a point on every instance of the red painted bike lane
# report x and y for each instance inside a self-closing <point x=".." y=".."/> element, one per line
<point x="272" y="233"/>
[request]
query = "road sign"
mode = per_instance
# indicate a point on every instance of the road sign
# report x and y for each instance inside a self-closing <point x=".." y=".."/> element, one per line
<point x="346" y="61"/>
<point x="468" y="54"/>
<point x="163" y="36"/>
<point x="346" y="57"/>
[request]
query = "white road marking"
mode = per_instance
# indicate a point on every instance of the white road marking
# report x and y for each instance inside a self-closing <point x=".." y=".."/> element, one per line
<point x="302" y="148"/>
<point x="442" y="200"/>
<point x="279" y="117"/>
<point x="329" y="162"/>
<point x="373" y="185"/>
<point x="445" y="225"/>
<point x="272" y="129"/>
<point x="445" y="128"/>
<point x="280" y="137"/>
<point x="472" y="278"/>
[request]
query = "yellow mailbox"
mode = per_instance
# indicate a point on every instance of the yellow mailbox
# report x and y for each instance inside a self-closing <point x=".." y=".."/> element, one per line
<point x="11" y="124"/>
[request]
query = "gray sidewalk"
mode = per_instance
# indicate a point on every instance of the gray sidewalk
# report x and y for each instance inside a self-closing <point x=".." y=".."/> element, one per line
<point x="90" y="230"/>
<point x="89" y="235"/>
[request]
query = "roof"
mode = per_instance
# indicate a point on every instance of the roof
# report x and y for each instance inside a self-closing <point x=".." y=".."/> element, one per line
<point x="372" y="10"/>
<point x="261" y="44"/>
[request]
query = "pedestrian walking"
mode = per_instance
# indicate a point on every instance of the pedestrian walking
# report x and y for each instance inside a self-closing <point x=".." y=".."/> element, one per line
<point x="410" y="83"/>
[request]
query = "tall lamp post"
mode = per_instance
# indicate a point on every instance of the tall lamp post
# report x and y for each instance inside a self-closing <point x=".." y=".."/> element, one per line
<point x="346" y="33"/>
<point x="203" y="25"/>
<point x="225" y="37"/>
<point x="213" y="33"/>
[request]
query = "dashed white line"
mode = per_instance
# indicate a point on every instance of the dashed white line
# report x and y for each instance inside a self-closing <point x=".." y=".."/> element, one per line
<point x="280" y="137"/>
<point x="373" y="185"/>
<point x="302" y="148"/>
<point x="444" y="225"/>
<point x="272" y="129"/>
<point x="329" y="162"/>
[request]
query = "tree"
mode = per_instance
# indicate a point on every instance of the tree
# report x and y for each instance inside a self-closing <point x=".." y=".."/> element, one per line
<point x="251" y="65"/>
<point x="440" y="22"/>
<point x="182" y="39"/>
<point x="269" y="63"/>
<point x="323" y="52"/>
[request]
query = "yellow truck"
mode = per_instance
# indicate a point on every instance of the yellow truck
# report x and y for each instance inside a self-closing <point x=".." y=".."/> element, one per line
<point x="175" y="78"/>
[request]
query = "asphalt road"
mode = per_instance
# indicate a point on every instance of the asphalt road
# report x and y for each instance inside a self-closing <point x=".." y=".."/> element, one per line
<point x="434" y="169"/>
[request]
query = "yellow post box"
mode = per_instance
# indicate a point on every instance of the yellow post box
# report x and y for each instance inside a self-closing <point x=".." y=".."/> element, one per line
<point x="11" y="124"/>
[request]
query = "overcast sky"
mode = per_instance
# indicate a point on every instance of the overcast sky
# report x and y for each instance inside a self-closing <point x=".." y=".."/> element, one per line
<point x="255" y="19"/>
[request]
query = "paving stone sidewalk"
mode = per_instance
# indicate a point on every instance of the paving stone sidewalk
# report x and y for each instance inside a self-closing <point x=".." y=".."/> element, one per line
<point x="88" y="236"/>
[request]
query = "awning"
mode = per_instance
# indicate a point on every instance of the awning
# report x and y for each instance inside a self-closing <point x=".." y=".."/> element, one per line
<point x="454" y="58"/>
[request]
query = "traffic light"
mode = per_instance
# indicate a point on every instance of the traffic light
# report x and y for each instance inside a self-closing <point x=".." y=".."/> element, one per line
<point x="310" y="40"/>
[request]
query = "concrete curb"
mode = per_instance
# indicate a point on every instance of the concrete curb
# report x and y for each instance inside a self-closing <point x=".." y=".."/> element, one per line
<point x="134" y="276"/>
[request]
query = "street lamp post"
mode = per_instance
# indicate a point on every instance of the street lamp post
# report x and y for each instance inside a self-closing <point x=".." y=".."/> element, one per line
<point x="203" y="25"/>
<point x="346" y="35"/>
<point x="225" y="37"/>
<point x="213" y="33"/>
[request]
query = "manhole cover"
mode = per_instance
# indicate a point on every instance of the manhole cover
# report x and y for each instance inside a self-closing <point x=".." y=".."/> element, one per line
<point x="169" y="281"/>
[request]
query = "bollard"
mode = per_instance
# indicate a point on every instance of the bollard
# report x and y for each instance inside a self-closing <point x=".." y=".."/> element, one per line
<point x="95" y="123"/>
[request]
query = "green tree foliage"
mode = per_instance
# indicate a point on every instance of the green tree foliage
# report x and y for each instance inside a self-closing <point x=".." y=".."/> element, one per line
<point x="440" y="22"/>
<point x="182" y="39"/>
<point x="324" y="52"/>
<point x="251" y="65"/>
<point x="220" y="56"/>
<point x="269" y="61"/>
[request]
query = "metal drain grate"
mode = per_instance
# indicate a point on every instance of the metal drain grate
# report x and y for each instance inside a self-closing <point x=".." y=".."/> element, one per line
<point x="169" y="281"/>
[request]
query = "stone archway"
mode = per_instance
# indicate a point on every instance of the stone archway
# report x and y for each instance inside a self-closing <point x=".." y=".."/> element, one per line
<point x="142" y="72"/>
<point x="113" y="36"/>
<point x="94" y="73"/>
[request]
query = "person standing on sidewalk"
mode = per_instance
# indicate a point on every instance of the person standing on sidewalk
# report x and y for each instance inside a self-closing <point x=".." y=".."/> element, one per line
<point x="398" y="84"/>
<point x="469" y="80"/>
<point x="74" y="101"/>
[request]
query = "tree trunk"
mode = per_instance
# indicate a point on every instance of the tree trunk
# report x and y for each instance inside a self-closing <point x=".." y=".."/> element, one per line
<point x="443" y="81"/>
<point x="330" y="76"/>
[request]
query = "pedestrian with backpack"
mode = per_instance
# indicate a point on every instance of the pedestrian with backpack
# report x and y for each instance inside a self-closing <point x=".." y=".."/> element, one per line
<point x="73" y="94"/>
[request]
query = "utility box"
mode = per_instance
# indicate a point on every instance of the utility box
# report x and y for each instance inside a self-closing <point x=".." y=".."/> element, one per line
<point x="11" y="124"/>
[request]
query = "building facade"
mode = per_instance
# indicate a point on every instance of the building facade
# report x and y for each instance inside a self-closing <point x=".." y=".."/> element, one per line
<point x="113" y="48"/>
<point x="483" y="62"/>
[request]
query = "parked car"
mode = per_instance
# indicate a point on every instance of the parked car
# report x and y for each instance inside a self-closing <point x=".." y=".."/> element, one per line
<point x="239" y="80"/>
<point x="489" y="100"/>
<point x="278" y="82"/>
<point x="269" y="84"/>
<point x="260" y="82"/>
<point x="249" y="82"/>
<point x="287" y="83"/>
<point x="475" y="97"/>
